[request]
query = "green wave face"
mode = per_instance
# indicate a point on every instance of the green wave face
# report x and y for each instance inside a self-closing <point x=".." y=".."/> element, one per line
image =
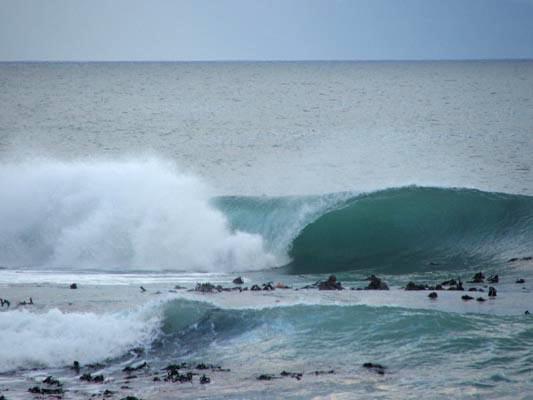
<point x="416" y="229"/>
<point x="410" y="229"/>
<point x="348" y="335"/>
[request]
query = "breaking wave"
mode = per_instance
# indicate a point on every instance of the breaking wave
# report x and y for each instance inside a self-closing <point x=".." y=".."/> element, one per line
<point x="56" y="338"/>
<point x="145" y="215"/>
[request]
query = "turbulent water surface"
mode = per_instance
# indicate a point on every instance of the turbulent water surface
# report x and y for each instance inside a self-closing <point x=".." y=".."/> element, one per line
<point x="117" y="176"/>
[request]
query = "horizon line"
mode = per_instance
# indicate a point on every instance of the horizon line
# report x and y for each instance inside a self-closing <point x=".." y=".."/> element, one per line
<point x="73" y="61"/>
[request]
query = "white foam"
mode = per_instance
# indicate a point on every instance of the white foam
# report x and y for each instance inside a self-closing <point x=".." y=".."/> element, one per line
<point x="56" y="338"/>
<point x="117" y="215"/>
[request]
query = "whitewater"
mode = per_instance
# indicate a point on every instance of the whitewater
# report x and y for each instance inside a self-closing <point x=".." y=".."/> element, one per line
<point x="137" y="182"/>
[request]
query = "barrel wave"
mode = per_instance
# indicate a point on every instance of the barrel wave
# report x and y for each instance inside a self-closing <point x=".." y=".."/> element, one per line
<point x="416" y="229"/>
<point x="397" y="230"/>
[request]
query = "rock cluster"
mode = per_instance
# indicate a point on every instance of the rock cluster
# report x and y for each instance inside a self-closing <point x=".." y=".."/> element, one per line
<point x="376" y="283"/>
<point x="330" y="284"/>
<point x="92" y="379"/>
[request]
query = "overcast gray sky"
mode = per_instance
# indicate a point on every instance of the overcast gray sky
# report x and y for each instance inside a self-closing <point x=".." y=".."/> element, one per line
<point x="265" y="30"/>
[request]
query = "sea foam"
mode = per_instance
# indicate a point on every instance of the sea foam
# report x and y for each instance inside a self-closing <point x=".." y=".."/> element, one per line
<point x="56" y="338"/>
<point x="117" y="215"/>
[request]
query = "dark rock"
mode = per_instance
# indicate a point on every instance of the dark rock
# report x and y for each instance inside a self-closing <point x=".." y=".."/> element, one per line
<point x="173" y="368"/>
<point x="521" y="280"/>
<point x="207" y="288"/>
<point x="182" y="378"/>
<point x="492" y="292"/>
<point x="238" y="281"/>
<point x="5" y="302"/>
<point x="26" y="303"/>
<point x="204" y="379"/>
<point x="527" y="258"/>
<point x="268" y="286"/>
<point x="131" y="368"/>
<point x="466" y="297"/>
<point x="376" y="284"/>
<point x="212" y="367"/>
<point x="93" y="379"/>
<point x="265" y="377"/>
<point x="73" y="286"/>
<point x="156" y="379"/>
<point x="478" y="278"/>
<point x="527" y="312"/>
<point x="433" y="295"/>
<point x="493" y="279"/>
<point x="313" y="286"/>
<point x="414" y="286"/>
<point x="255" y="288"/>
<point x="377" y="368"/>
<point x="174" y="375"/>
<point x="108" y="393"/>
<point x="323" y="372"/>
<point x="295" y="375"/>
<point x="439" y="287"/>
<point x="38" y="390"/>
<point x="76" y="367"/>
<point x="330" y="284"/>
<point x="130" y="397"/>
<point x="480" y="299"/>
<point x="50" y="380"/>
<point x="472" y="289"/>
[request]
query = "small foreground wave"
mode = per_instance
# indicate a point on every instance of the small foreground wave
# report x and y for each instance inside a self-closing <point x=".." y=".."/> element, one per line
<point x="55" y="338"/>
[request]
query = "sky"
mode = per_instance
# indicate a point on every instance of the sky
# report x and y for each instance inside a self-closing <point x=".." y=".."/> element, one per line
<point x="134" y="30"/>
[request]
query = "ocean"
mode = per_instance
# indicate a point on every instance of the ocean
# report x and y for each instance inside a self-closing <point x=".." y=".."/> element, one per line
<point x="141" y="183"/>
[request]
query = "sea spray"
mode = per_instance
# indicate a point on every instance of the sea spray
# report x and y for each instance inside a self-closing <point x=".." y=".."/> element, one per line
<point x="117" y="215"/>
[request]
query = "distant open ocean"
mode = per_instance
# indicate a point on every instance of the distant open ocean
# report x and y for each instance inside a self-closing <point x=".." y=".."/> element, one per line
<point x="117" y="176"/>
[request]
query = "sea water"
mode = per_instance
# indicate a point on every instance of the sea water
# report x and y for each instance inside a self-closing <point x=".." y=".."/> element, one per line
<point x="121" y="175"/>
